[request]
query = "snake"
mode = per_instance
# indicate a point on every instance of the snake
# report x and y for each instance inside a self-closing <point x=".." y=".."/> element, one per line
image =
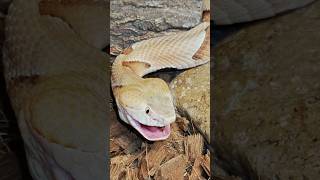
<point x="52" y="60"/>
<point x="146" y="103"/>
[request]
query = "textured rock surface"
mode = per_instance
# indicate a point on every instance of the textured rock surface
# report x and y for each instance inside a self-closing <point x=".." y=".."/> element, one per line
<point x="236" y="11"/>
<point x="135" y="20"/>
<point x="191" y="92"/>
<point x="268" y="99"/>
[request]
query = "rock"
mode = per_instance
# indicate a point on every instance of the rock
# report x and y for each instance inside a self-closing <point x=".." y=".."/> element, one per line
<point x="239" y="11"/>
<point x="191" y="92"/>
<point x="133" y="20"/>
<point x="267" y="98"/>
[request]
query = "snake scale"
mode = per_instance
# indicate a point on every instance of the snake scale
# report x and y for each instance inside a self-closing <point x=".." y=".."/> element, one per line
<point x="53" y="61"/>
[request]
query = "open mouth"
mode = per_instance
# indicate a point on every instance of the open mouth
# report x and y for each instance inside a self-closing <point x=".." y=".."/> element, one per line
<point x="152" y="133"/>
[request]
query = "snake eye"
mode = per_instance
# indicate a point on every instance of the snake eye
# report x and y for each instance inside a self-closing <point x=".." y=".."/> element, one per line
<point x="147" y="110"/>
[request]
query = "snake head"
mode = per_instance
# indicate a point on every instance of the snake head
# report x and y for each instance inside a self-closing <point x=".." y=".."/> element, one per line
<point x="148" y="107"/>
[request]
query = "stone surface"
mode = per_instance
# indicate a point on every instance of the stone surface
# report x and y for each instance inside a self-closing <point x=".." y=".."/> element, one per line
<point x="268" y="100"/>
<point x="191" y="92"/>
<point x="135" y="20"/>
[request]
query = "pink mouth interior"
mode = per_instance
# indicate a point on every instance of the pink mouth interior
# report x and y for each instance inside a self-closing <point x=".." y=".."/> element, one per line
<point x="152" y="133"/>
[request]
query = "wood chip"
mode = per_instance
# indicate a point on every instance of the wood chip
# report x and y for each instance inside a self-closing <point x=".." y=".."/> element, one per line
<point x="116" y="128"/>
<point x="132" y="174"/>
<point x="176" y="134"/>
<point x="127" y="144"/>
<point x="124" y="160"/>
<point x="174" y="169"/>
<point x="143" y="171"/>
<point x="194" y="146"/>
<point x="123" y="142"/>
<point x="156" y="155"/>
<point x="159" y="151"/>
<point x="205" y="163"/>
<point x="114" y="147"/>
<point x="178" y="157"/>
<point x="183" y="124"/>
<point x="196" y="170"/>
<point x="116" y="170"/>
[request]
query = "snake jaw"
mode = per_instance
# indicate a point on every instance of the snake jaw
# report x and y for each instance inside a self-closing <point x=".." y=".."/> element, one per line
<point x="151" y="133"/>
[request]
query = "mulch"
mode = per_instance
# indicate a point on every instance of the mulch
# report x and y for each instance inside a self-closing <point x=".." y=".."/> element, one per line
<point x="184" y="155"/>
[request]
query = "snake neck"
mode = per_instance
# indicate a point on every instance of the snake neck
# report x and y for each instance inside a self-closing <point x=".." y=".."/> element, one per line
<point x="122" y="75"/>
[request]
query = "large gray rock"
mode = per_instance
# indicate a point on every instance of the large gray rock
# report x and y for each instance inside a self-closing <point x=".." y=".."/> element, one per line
<point x="135" y="20"/>
<point x="268" y="99"/>
<point x="191" y="92"/>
